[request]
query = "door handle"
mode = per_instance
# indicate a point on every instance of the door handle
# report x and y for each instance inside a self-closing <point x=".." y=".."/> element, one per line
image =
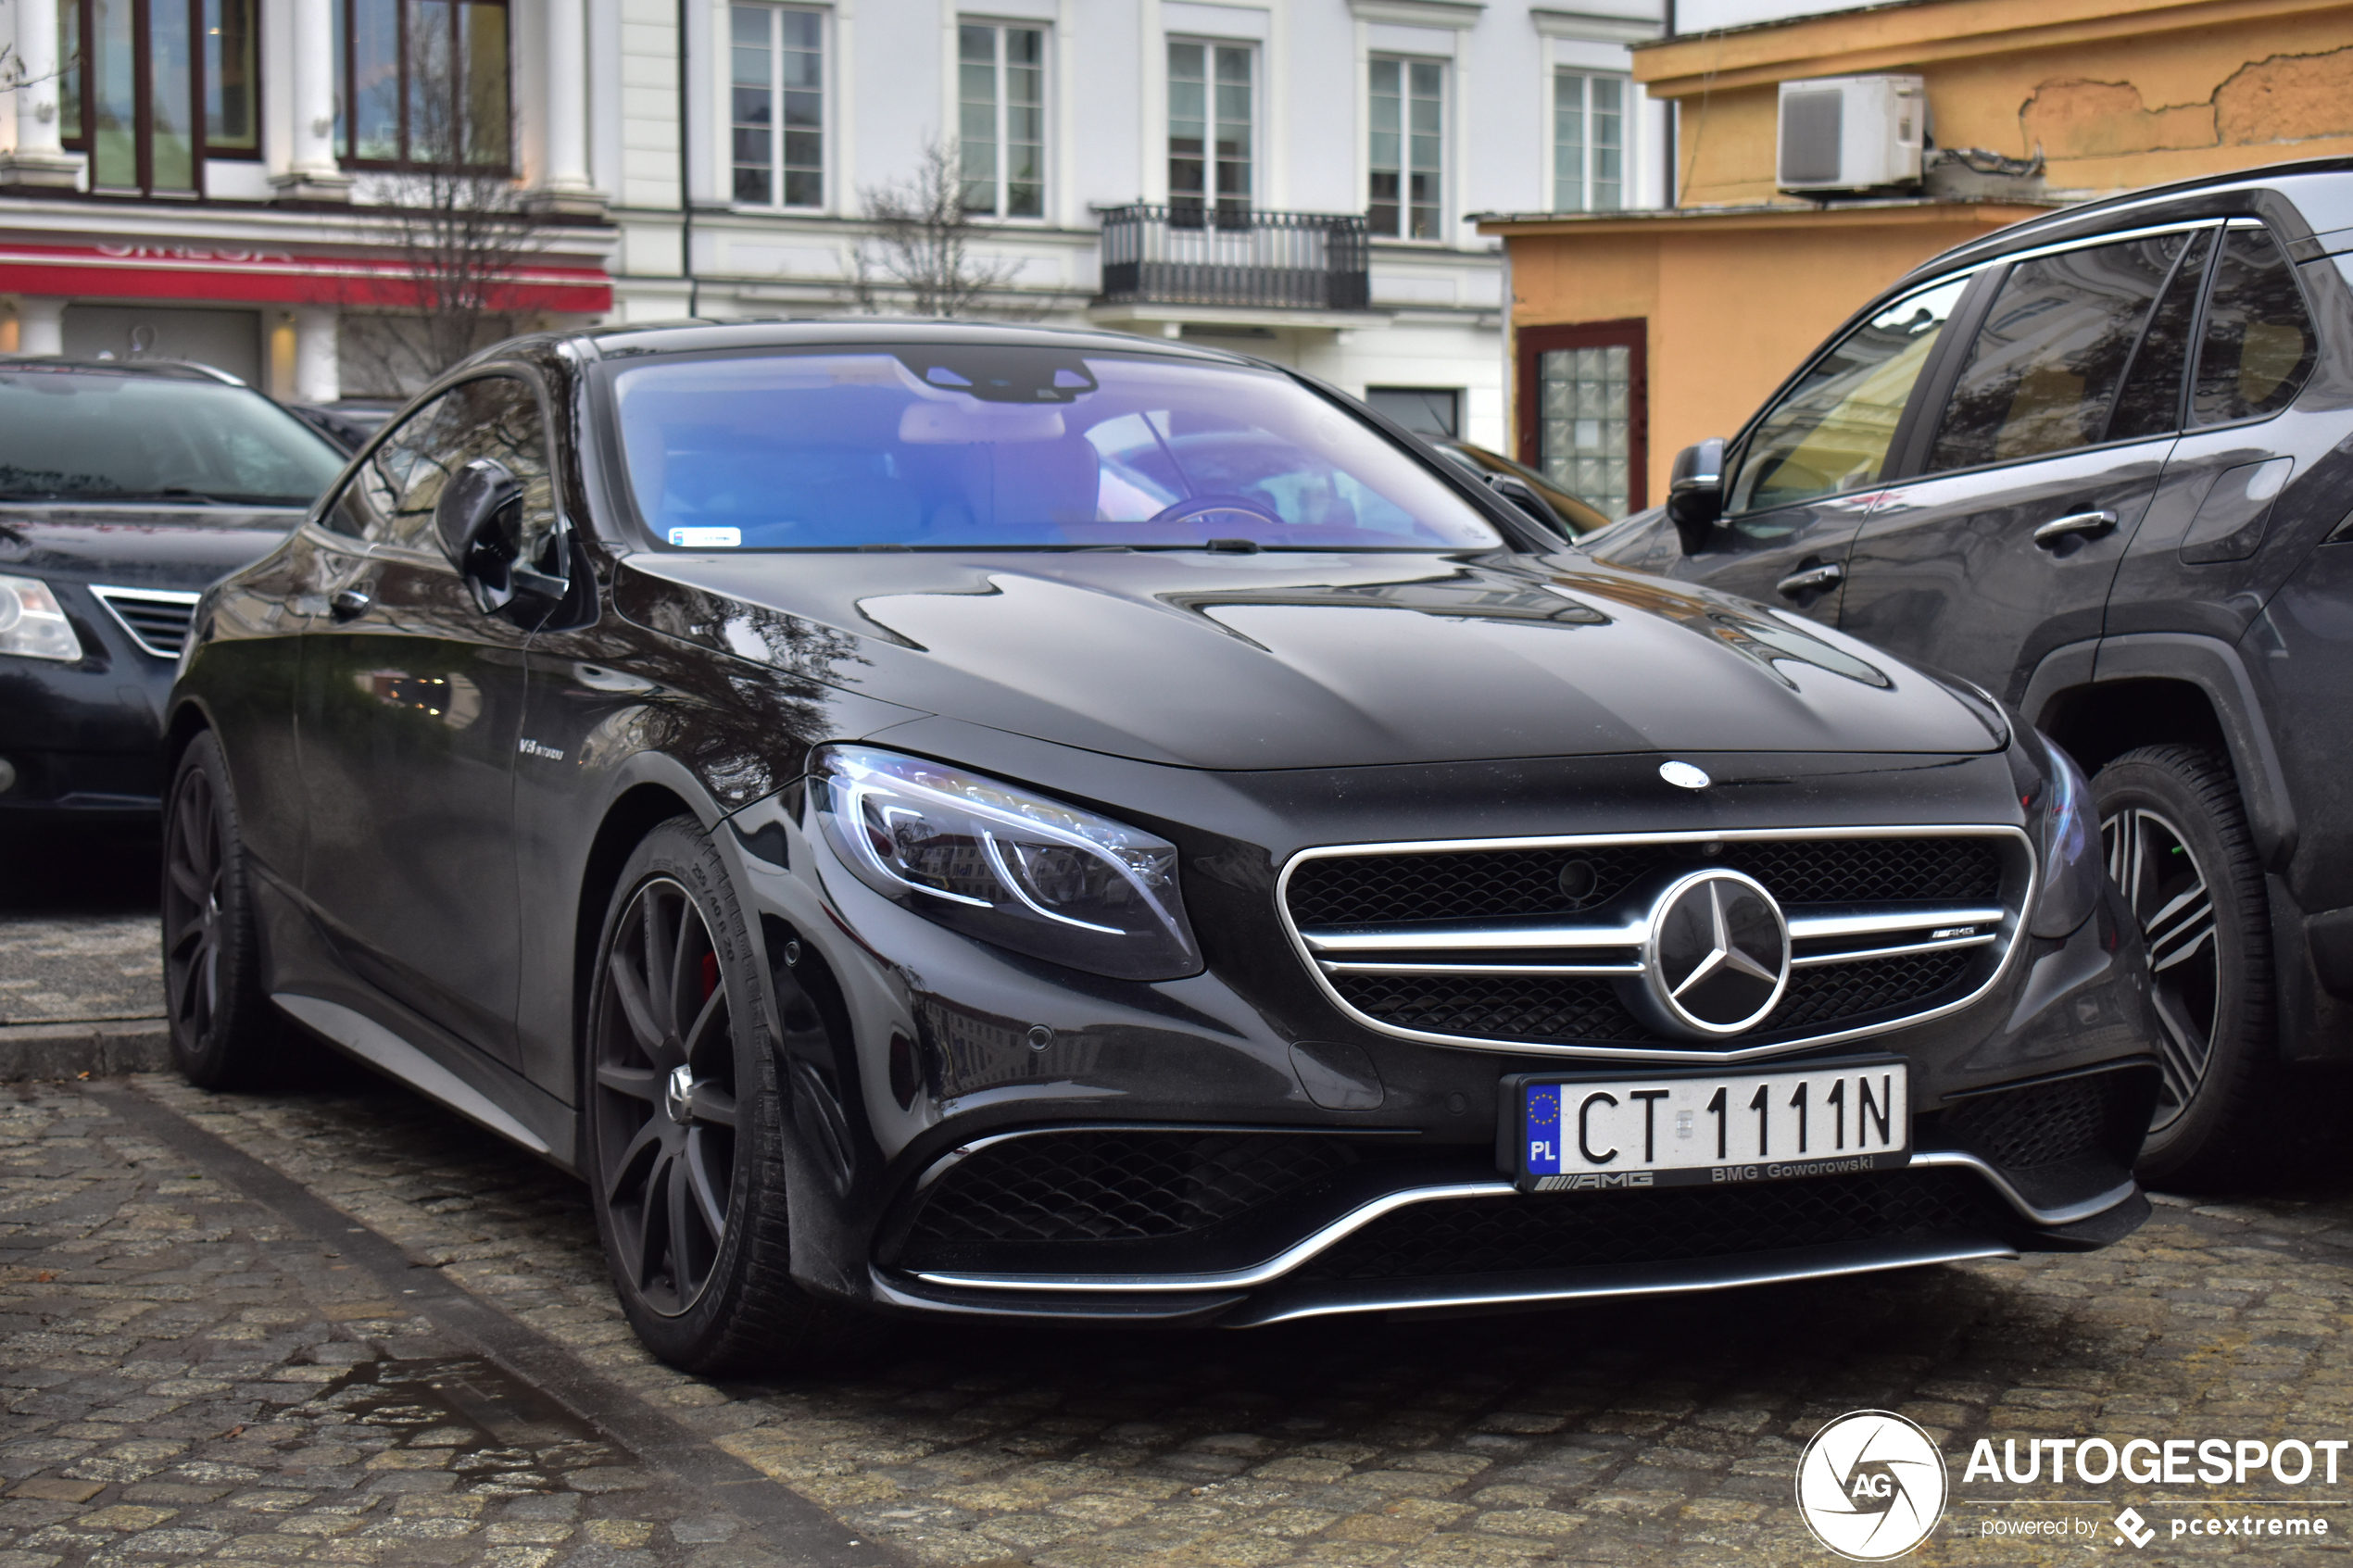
<point x="1813" y="577"/>
<point x="2086" y="524"/>
<point x="349" y="604"/>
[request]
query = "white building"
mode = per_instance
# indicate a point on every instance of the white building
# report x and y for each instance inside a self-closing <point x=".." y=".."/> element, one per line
<point x="1285" y="176"/>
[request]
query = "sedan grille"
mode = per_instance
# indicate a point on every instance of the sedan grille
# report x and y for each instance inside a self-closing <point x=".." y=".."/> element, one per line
<point x="157" y="619"/>
<point x="1665" y="1224"/>
<point x="1534" y="945"/>
<point x="2047" y="1123"/>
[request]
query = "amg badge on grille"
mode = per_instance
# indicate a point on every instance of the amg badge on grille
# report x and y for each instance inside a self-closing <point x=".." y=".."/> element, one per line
<point x="1715" y="959"/>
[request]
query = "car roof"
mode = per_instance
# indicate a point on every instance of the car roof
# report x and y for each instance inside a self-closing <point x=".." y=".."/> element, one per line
<point x="697" y="336"/>
<point x="169" y="370"/>
<point x="2309" y="201"/>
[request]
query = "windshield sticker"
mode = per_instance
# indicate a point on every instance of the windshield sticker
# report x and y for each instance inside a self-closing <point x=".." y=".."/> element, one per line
<point x="706" y="538"/>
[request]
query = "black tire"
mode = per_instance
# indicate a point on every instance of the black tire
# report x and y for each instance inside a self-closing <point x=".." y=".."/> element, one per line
<point x="688" y="1175"/>
<point x="225" y="1031"/>
<point x="2177" y="846"/>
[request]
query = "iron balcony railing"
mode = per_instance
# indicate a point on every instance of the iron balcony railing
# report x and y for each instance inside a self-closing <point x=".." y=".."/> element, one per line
<point x="1189" y="253"/>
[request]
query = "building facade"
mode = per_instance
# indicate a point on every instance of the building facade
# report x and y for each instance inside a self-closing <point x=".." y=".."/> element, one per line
<point x="222" y="179"/>
<point x="1708" y="306"/>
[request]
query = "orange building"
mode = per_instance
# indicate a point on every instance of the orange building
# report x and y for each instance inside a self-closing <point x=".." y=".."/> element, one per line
<point x="1688" y="317"/>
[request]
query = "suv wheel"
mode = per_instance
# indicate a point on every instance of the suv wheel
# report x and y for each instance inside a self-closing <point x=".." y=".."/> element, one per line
<point x="683" y="1133"/>
<point x="225" y="1033"/>
<point x="2177" y="846"/>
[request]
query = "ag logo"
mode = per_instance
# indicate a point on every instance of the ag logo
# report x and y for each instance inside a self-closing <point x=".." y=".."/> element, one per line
<point x="1870" y="1486"/>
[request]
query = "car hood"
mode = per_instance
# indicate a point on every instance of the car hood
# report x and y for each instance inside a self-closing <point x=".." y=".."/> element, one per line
<point x="135" y="546"/>
<point x="1288" y="661"/>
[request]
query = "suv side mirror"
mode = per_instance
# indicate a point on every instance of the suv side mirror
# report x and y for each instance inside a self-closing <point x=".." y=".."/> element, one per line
<point x="1517" y="493"/>
<point x="1695" y="493"/>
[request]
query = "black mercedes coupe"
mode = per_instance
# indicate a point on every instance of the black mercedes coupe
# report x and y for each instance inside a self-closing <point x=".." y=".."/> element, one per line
<point x="999" y="822"/>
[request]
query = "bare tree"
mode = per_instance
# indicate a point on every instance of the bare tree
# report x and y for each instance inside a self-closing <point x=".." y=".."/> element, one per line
<point x="458" y="226"/>
<point x="920" y="258"/>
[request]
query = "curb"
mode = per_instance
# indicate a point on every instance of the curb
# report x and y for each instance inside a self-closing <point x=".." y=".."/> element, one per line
<point x="84" y="1050"/>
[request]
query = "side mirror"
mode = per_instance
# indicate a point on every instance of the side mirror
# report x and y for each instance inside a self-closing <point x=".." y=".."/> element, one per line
<point x="1695" y="493"/>
<point x="479" y="519"/>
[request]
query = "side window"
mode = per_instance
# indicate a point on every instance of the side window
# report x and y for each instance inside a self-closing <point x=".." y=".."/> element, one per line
<point x="2151" y="401"/>
<point x="2044" y="370"/>
<point x="1831" y="431"/>
<point x="2258" y="344"/>
<point x="494" y="417"/>
<point x="370" y="505"/>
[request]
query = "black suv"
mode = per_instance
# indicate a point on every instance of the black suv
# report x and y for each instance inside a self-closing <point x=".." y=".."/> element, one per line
<point x="2101" y="463"/>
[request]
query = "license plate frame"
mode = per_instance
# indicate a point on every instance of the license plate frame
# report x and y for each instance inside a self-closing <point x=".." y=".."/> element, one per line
<point x="1841" y="1133"/>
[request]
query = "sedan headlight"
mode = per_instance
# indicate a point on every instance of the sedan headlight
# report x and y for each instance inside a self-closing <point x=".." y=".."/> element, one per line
<point x="996" y="863"/>
<point x="31" y="624"/>
<point x="2067" y="842"/>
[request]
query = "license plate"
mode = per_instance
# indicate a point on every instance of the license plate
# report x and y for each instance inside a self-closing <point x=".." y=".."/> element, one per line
<point x="1697" y="1130"/>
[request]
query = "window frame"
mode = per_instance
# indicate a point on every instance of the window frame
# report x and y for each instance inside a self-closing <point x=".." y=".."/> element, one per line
<point x="81" y="139"/>
<point x="1209" y="199"/>
<point x="2185" y="420"/>
<point x="1001" y="106"/>
<point x="1404" y="202"/>
<point x="777" y="166"/>
<point x="1632" y="332"/>
<point x="1626" y="122"/>
<point x="346" y="94"/>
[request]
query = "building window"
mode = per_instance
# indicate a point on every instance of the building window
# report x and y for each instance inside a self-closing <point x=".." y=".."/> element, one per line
<point x="1582" y="413"/>
<point x="1001" y="88"/>
<point x="1589" y="141"/>
<point x="1425" y="411"/>
<point x="777" y="113"/>
<point x="1408" y="148"/>
<point x="426" y="85"/>
<point x="1212" y="106"/>
<point x="152" y="88"/>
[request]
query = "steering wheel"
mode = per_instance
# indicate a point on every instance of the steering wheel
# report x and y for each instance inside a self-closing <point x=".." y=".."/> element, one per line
<point x="1202" y="510"/>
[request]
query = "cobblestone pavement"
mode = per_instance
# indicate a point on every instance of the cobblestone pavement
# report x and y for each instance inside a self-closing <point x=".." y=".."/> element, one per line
<point x="77" y="938"/>
<point x="188" y="1378"/>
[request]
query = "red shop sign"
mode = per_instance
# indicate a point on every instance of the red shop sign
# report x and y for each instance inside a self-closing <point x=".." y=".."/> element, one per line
<point x="277" y="277"/>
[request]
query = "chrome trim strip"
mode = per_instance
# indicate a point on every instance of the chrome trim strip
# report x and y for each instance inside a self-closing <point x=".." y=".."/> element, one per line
<point x="1281" y="1263"/>
<point x="1331" y="968"/>
<point x="2066" y="1214"/>
<point x="1655" y="1280"/>
<point x="2012" y="924"/>
<point x="1865" y="921"/>
<point x="1457" y="936"/>
<point x="374" y="1044"/>
<point x="949" y="1159"/>
<point x="1864" y="954"/>
<point x="106" y="594"/>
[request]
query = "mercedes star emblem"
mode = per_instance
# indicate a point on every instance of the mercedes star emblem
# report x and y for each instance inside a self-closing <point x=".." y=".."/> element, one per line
<point x="1715" y="958"/>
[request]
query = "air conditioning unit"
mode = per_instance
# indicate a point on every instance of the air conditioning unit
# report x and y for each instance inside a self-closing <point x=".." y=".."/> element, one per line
<point x="1852" y="133"/>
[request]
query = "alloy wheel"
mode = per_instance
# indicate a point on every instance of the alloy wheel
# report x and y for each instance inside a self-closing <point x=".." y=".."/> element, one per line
<point x="664" y="1097"/>
<point x="195" y="873"/>
<point x="2167" y="889"/>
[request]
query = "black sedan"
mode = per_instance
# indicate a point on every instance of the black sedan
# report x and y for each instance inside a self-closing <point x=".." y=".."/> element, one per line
<point x="125" y="487"/>
<point x="1005" y="824"/>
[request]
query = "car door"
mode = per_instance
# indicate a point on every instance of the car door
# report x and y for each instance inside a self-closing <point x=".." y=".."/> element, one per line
<point x="2248" y="469"/>
<point x="2038" y="466"/>
<point x="1800" y="483"/>
<point x="411" y="710"/>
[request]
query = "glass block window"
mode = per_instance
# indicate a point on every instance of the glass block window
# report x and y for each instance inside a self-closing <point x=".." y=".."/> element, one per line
<point x="1212" y="106"/>
<point x="1408" y="148"/>
<point x="1000" y="78"/>
<point x="776" y="108"/>
<point x="1585" y="423"/>
<point x="1589" y="141"/>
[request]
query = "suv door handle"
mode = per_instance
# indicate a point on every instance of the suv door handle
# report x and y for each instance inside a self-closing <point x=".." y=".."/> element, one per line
<point x="349" y="604"/>
<point x="2088" y="523"/>
<point x="1813" y="577"/>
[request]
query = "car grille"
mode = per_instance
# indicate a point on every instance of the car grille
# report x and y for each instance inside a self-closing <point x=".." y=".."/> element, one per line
<point x="1665" y="1224"/>
<point x="1120" y="1186"/>
<point x="1530" y="944"/>
<point x="156" y="621"/>
<point x="2041" y="1124"/>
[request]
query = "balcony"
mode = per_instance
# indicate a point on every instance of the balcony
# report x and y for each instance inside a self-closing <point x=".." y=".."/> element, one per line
<point x="1227" y="259"/>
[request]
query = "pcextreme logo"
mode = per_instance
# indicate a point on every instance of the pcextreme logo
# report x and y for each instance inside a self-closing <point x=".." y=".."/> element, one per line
<point x="1870" y="1486"/>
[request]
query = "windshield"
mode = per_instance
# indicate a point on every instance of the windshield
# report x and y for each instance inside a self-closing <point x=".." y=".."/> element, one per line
<point x="963" y="448"/>
<point x="94" y="436"/>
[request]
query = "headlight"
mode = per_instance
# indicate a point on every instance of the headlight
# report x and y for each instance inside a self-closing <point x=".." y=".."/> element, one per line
<point x="996" y="863"/>
<point x="31" y="624"/>
<point x="2066" y="841"/>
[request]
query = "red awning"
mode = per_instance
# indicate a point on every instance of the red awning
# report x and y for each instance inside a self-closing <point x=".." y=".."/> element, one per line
<point x="277" y="277"/>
